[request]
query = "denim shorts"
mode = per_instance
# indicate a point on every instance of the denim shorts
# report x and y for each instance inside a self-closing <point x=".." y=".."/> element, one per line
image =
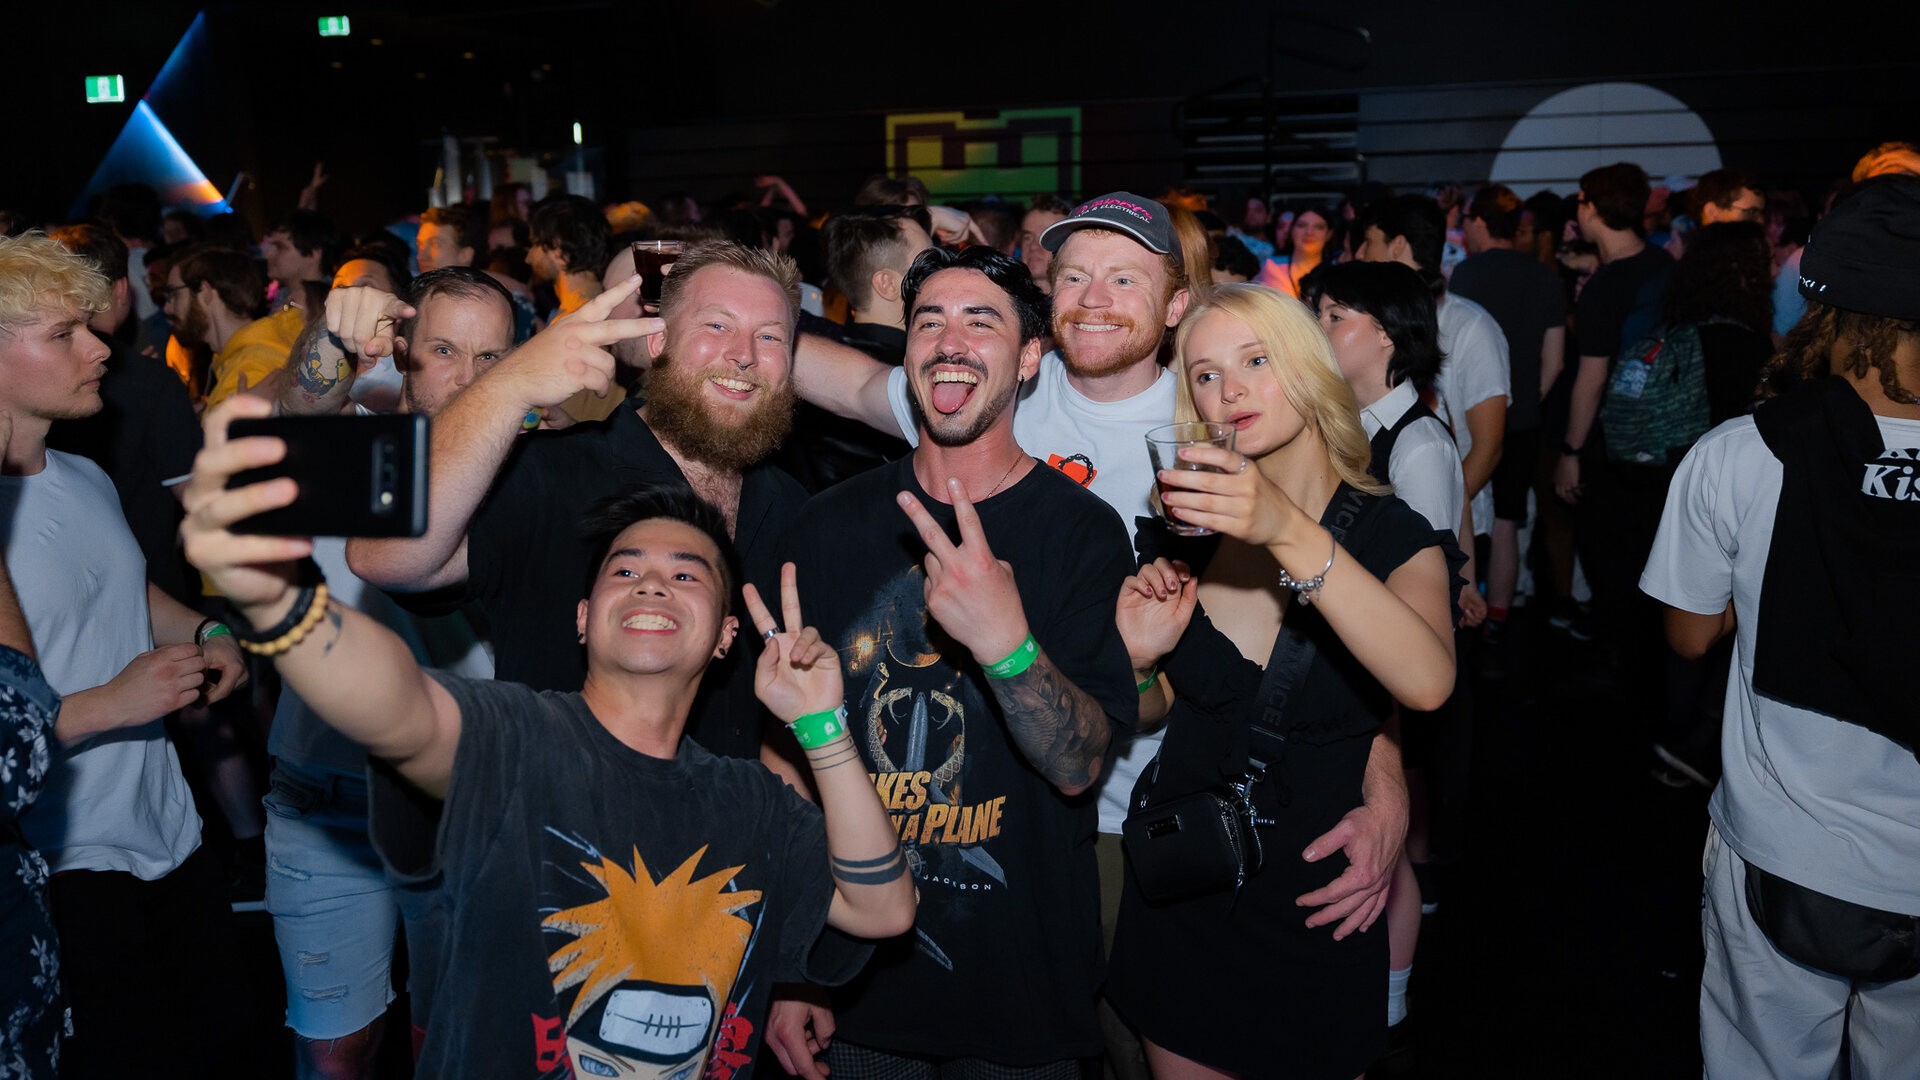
<point x="334" y="915"/>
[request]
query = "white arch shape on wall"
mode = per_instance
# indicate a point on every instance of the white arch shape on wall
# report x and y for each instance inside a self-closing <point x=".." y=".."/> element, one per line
<point x="1598" y="124"/>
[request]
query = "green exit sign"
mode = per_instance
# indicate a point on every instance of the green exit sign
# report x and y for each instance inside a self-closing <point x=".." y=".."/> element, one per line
<point x="335" y="26"/>
<point x="105" y="89"/>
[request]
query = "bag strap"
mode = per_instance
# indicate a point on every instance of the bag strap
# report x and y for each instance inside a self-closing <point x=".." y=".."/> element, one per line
<point x="1294" y="652"/>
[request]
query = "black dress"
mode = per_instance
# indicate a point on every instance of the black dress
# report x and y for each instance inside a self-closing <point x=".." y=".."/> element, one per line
<point x="1240" y="983"/>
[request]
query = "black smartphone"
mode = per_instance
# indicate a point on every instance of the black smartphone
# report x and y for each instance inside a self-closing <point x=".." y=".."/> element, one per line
<point x="358" y="475"/>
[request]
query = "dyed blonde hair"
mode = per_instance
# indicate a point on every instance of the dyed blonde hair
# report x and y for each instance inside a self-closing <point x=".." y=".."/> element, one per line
<point x="1300" y="357"/>
<point x="39" y="276"/>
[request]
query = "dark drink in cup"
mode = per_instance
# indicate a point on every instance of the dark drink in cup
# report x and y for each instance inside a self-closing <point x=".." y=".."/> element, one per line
<point x="1163" y="448"/>
<point x="650" y="257"/>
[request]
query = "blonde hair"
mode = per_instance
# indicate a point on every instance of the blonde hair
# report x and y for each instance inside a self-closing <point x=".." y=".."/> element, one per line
<point x="39" y="276"/>
<point x="779" y="269"/>
<point x="1302" y="359"/>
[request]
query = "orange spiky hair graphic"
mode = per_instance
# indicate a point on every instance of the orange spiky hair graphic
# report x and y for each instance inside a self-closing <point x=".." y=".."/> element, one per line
<point x="680" y="931"/>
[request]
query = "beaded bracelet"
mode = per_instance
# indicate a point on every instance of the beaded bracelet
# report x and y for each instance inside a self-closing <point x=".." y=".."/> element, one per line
<point x="1016" y="662"/>
<point x="315" y="599"/>
<point x="1309" y="589"/>
<point x="817" y="729"/>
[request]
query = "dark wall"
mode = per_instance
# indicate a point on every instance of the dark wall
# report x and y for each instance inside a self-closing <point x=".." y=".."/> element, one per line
<point x="798" y="86"/>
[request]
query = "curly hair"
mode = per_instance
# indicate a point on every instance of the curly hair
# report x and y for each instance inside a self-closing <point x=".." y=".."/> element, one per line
<point x="38" y="276"/>
<point x="1726" y="273"/>
<point x="1865" y="341"/>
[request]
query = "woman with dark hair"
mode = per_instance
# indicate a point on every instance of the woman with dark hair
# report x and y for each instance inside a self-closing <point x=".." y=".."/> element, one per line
<point x="1314" y="238"/>
<point x="1332" y="591"/>
<point x="1381" y="320"/>
<point x="1386" y="339"/>
<point x="1723" y="288"/>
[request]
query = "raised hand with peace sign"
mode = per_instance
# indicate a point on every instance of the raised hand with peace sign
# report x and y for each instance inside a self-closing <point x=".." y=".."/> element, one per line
<point x="1060" y="729"/>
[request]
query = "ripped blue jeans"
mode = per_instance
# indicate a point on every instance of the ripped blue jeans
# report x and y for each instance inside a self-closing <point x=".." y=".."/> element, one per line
<point x="334" y="915"/>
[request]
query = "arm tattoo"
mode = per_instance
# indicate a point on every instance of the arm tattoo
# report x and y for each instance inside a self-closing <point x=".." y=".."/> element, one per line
<point x="1062" y="731"/>
<point x="827" y="757"/>
<point x="880" y="871"/>
<point x="333" y="621"/>
<point x="321" y="372"/>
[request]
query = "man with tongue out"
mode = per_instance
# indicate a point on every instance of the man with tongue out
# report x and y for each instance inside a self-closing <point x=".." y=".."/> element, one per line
<point x="1119" y="284"/>
<point x="970" y="593"/>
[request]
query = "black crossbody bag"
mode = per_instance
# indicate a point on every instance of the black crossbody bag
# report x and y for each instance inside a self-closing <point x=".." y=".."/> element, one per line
<point x="1184" y="844"/>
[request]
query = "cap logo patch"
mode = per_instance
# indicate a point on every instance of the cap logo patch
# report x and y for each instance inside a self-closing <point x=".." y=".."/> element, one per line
<point x="1135" y="209"/>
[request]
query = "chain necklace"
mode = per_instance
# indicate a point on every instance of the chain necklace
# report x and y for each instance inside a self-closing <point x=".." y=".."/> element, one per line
<point x="1004" y="475"/>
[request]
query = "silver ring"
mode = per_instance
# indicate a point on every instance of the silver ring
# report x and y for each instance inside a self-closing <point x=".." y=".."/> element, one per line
<point x="768" y="635"/>
<point x="1243" y="465"/>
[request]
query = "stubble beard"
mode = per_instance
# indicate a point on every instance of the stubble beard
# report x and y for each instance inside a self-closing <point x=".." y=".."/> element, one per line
<point x="681" y="416"/>
<point x="1135" y="346"/>
<point x="944" y="430"/>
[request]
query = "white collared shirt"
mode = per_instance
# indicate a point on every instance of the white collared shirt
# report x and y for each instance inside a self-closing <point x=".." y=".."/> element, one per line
<point x="1425" y="466"/>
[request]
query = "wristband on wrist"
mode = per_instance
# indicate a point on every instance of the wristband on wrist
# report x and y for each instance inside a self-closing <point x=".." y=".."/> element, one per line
<point x="1146" y="684"/>
<point x="817" y="729"/>
<point x="1016" y="662"/>
<point x="210" y="629"/>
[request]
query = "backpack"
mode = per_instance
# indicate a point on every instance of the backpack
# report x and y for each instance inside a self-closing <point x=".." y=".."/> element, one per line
<point x="1656" y="400"/>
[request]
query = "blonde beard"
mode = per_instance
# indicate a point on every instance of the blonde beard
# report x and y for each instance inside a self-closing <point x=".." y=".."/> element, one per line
<point x="678" y="415"/>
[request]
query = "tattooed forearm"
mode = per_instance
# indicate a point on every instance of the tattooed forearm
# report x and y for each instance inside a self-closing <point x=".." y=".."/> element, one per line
<point x="836" y="753"/>
<point x="1062" y="731"/>
<point x="321" y="371"/>
<point x="887" y="868"/>
<point x="334" y="624"/>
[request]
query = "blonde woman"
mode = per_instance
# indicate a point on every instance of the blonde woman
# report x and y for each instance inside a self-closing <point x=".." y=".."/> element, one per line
<point x="1312" y="549"/>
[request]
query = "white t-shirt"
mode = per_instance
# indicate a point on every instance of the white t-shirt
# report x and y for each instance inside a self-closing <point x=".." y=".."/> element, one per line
<point x="1476" y="369"/>
<point x="1071" y="432"/>
<point x="117" y="801"/>
<point x="1424" y="468"/>
<point x="1821" y="802"/>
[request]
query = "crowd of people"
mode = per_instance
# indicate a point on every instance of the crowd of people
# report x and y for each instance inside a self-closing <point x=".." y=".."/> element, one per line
<point x="868" y="490"/>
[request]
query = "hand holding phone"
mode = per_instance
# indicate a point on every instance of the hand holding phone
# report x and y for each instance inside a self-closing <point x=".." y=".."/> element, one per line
<point x="357" y="475"/>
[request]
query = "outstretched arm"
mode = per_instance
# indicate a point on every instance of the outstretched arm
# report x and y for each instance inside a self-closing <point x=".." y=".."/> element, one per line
<point x="356" y="674"/>
<point x="472" y="435"/>
<point x="1060" y="728"/>
<point x="844" y="381"/>
<point x="358" y="327"/>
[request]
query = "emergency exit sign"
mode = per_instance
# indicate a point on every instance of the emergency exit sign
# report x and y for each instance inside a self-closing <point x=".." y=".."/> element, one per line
<point x="105" y="89"/>
<point x="334" y="26"/>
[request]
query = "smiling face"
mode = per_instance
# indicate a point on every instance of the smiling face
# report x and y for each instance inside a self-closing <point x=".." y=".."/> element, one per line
<point x="51" y="366"/>
<point x="720" y="387"/>
<point x="1361" y="348"/>
<point x="658" y="604"/>
<point x="1232" y="379"/>
<point x="1110" y="302"/>
<point x="455" y="340"/>
<point x="964" y="358"/>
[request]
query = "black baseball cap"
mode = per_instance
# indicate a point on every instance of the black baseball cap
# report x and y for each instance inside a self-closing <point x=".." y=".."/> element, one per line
<point x="1122" y="211"/>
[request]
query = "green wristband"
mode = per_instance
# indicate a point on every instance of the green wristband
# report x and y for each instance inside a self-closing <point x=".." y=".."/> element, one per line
<point x="817" y="729"/>
<point x="1016" y="662"/>
<point x="210" y="629"/>
<point x="1146" y="684"/>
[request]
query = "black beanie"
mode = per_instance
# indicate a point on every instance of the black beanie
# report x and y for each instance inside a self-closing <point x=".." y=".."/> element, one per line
<point x="1864" y="256"/>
